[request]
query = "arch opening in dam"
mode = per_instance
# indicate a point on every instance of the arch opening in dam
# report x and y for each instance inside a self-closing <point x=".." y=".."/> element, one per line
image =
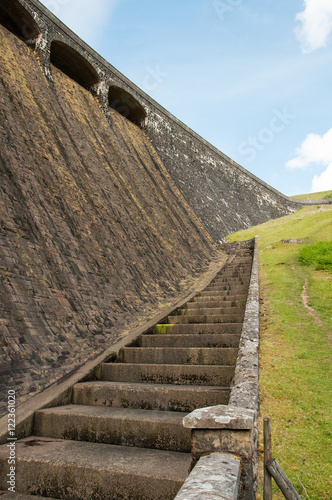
<point x="121" y="101"/>
<point x="17" y="20"/>
<point x="73" y="64"/>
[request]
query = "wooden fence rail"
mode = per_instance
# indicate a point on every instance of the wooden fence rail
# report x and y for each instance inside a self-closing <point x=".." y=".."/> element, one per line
<point x="273" y="470"/>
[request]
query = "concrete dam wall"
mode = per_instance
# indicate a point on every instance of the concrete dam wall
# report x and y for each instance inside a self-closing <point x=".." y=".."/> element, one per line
<point x="224" y="196"/>
<point x="94" y="236"/>
<point x="109" y="205"/>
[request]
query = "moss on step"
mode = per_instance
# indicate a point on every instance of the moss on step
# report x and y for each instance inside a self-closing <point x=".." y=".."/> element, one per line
<point x="163" y="329"/>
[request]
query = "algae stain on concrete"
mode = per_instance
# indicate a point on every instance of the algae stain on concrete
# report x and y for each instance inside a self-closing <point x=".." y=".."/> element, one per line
<point x="164" y="329"/>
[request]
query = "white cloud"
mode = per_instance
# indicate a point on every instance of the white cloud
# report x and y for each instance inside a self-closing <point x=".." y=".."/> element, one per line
<point x="315" y="150"/>
<point x="316" y="24"/>
<point x="323" y="182"/>
<point x="85" y="17"/>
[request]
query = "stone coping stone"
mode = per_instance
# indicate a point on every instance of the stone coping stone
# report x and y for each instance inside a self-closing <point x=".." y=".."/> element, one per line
<point x="216" y="476"/>
<point x="220" y="417"/>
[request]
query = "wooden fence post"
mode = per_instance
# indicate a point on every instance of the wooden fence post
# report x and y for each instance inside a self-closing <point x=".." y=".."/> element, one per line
<point x="282" y="480"/>
<point x="267" y="494"/>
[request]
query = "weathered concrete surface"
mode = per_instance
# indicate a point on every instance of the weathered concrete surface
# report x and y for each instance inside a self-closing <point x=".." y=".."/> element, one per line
<point x="216" y="476"/>
<point x="94" y="237"/>
<point x="163" y="397"/>
<point x="214" y="302"/>
<point x="208" y="308"/>
<point x="152" y="429"/>
<point x="199" y="329"/>
<point x="88" y="470"/>
<point x="181" y="340"/>
<point x="169" y="374"/>
<point x="179" y="355"/>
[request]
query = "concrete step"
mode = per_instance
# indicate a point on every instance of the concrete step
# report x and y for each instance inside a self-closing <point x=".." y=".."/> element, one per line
<point x="214" y="302"/>
<point x="74" y="469"/>
<point x="239" y="264"/>
<point x="223" y="295"/>
<point x="217" y="318"/>
<point x="162" y="397"/>
<point x="183" y="340"/>
<point x="179" y="355"/>
<point x="168" y="374"/>
<point x="237" y="267"/>
<point x="241" y="256"/>
<point x="231" y="281"/>
<point x="233" y="275"/>
<point x="203" y="310"/>
<point x="231" y="278"/>
<point x="235" y="289"/>
<point x="153" y="429"/>
<point x="233" y="272"/>
<point x="197" y="329"/>
<point x="243" y="276"/>
<point x="226" y="295"/>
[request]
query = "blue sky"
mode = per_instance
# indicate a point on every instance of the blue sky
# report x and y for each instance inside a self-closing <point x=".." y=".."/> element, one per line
<point x="253" y="77"/>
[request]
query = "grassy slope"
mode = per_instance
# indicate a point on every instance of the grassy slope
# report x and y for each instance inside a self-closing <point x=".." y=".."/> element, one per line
<point x="295" y="377"/>
<point x="312" y="196"/>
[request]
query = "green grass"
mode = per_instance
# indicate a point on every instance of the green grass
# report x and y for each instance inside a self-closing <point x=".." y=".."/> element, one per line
<point x="319" y="255"/>
<point x="322" y="195"/>
<point x="295" y="351"/>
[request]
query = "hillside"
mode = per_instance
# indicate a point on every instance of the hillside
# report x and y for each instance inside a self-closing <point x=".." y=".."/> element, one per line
<point x="94" y="236"/>
<point x="314" y="196"/>
<point x="295" y="353"/>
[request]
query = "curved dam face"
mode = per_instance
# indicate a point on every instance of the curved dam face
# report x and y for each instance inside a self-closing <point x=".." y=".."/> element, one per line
<point x="93" y="233"/>
<point x="226" y="197"/>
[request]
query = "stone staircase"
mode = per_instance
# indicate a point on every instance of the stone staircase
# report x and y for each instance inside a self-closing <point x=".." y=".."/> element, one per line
<point x="122" y="436"/>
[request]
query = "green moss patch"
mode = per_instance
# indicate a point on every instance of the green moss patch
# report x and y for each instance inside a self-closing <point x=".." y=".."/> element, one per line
<point x="163" y="329"/>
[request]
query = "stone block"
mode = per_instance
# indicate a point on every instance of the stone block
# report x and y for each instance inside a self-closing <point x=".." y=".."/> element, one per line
<point x="220" y="417"/>
<point x="216" y="476"/>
